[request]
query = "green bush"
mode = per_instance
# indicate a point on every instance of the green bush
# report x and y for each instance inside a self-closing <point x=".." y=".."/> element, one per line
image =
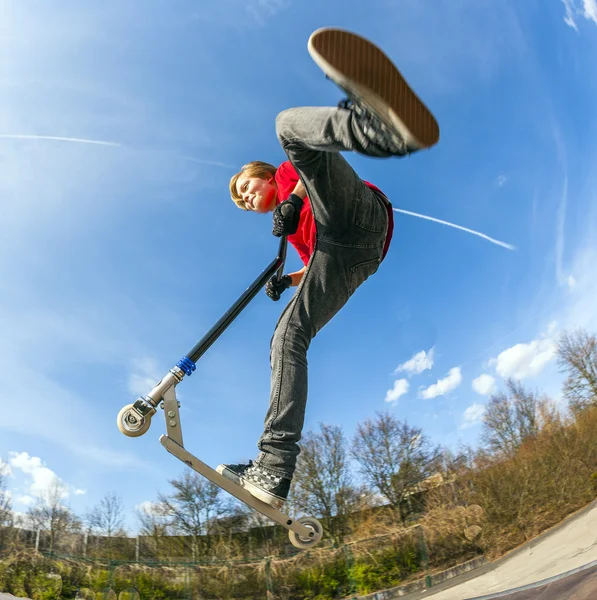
<point x="385" y="569"/>
<point x="74" y="577"/>
<point x="3" y="576"/>
<point x="155" y="585"/>
<point x="325" y="581"/>
<point x="15" y="583"/>
<point x="44" y="586"/>
<point x="129" y="595"/>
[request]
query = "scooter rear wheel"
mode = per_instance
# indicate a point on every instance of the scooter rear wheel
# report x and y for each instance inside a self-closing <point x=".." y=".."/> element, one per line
<point x="303" y="543"/>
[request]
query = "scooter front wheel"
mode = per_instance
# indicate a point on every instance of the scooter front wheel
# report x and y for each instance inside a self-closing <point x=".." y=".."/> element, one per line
<point x="131" y="423"/>
<point x="303" y="543"/>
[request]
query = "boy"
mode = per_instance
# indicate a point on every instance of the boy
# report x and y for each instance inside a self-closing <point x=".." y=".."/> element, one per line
<point x="340" y="225"/>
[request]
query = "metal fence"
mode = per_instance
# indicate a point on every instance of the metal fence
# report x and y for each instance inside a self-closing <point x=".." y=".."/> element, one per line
<point x="179" y="567"/>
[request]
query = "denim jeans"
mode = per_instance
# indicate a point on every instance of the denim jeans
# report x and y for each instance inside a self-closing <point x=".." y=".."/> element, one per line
<point x="352" y="222"/>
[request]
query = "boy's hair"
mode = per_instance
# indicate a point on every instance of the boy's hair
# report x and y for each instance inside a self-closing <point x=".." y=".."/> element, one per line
<point x="256" y="168"/>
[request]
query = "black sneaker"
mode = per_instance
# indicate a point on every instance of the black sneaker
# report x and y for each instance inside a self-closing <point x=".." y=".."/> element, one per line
<point x="375" y="129"/>
<point x="261" y="483"/>
<point x="391" y="114"/>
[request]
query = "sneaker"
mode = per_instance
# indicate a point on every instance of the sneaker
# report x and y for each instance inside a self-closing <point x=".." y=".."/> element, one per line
<point x="261" y="483"/>
<point x="392" y="115"/>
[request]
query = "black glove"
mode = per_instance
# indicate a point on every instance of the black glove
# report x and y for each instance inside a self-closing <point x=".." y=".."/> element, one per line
<point x="287" y="215"/>
<point x="274" y="288"/>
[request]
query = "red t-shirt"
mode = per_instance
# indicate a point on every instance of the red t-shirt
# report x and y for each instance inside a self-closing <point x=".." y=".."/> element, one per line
<point x="306" y="234"/>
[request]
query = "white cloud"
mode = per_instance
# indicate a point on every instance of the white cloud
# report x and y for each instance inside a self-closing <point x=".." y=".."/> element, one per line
<point x="472" y="415"/>
<point x="271" y="6"/>
<point x="590" y="10"/>
<point x="400" y="388"/>
<point x="552" y="329"/>
<point x="42" y="477"/>
<point x="27" y="500"/>
<point x="42" y="399"/>
<point x="145" y="377"/>
<point x="148" y="508"/>
<point x="20" y="518"/>
<point x="569" y="17"/>
<point x="5" y="469"/>
<point x="484" y="385"/>
<point x="418" y="363"/>
<point x="263" y="9"/>
<point x="501" y="180"/>
<point x="525" y="360"/>
<point x="562" y="278"/>
<point x="80" y="492"/>
<point x="445" y="385"/>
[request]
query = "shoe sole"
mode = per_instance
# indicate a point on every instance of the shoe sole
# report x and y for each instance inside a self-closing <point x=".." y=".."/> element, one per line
<point x="229" y="474"/>
<point x="270" y="499"/>
<point x="360" y="67"/>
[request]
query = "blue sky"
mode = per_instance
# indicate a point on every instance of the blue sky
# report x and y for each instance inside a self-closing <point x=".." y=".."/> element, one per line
<point x="116" y="257"/>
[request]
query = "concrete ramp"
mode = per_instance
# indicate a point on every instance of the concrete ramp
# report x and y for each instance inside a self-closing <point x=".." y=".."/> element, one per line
<point x="560" y="564"/>
<point x="580" y="584"/>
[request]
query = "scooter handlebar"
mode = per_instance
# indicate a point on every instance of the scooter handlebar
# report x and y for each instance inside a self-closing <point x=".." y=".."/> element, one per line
<point x="282" y="257"/>
<point x="287" y="211"/>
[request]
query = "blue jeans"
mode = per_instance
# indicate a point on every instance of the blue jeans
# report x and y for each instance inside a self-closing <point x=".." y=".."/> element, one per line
<point x="352" y="222"/>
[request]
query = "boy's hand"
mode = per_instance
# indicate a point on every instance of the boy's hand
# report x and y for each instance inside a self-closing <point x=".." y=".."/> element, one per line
<point x="274" y="288"/>
<point x="287" y="215"/>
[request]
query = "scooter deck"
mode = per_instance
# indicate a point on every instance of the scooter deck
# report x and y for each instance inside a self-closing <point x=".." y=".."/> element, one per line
<point x="232" y="488"/>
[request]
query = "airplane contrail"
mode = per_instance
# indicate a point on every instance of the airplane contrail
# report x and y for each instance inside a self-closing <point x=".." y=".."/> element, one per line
<point x="220" y="164"/>
<point x="213" y="163"/>
<point x="485" y="237"/>
<point x="59" y="139"/>
<point x="13" y="136"/>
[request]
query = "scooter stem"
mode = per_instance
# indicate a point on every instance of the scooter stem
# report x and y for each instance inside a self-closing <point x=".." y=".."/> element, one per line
<point x="276" y="266"/>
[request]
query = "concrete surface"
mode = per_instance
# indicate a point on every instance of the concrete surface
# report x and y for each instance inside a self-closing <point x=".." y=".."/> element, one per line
<point x="569" y="546"/>
<point x="580" y="585"/>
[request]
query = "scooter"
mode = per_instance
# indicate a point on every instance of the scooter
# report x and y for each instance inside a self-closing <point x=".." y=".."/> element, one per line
<point x="134" y="419"/>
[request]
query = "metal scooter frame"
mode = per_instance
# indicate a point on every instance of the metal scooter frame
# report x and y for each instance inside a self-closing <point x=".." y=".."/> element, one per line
<point x="134" y="420"/>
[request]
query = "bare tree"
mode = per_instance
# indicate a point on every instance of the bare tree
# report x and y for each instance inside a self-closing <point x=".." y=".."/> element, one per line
<point x="577" y="356"/>
<point x="193" y="508"/>
<point x="6" y="516"/>
<point x="323" y="483"/>
<point x="454" y="464"/>
<point x="511" y="418"/>
<point x="242" y="530"/>
<point x="394" y="458"/>
<point x="153" y="524"/>
<point x="49" y="513"/>
<point x="107" y="518"/>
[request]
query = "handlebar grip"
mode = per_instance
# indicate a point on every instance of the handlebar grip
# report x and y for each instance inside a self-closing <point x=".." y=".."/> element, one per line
<point x="287" y="210"/>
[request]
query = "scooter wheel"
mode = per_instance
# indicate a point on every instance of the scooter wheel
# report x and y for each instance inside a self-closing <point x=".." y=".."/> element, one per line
<point x="302" y="543"/>
<point x="130" y="423"/>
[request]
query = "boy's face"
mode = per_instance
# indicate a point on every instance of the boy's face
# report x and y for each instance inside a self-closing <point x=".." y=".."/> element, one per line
<point x="259" y="195"/>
